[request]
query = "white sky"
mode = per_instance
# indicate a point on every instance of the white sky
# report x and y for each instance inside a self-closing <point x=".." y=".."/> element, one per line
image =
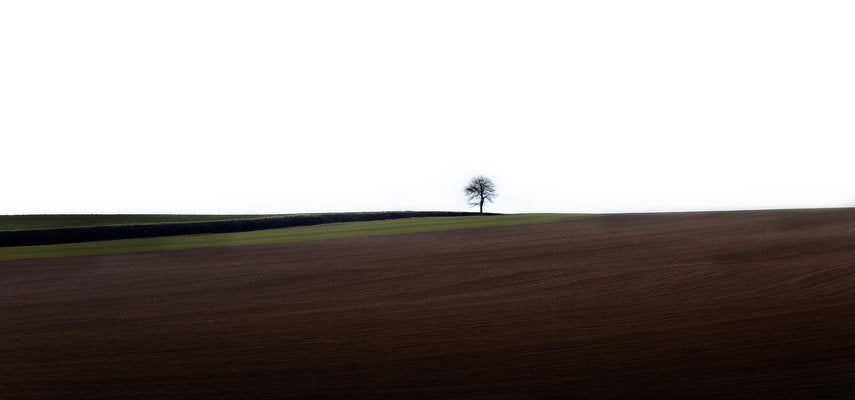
<point x="309" y="106"/>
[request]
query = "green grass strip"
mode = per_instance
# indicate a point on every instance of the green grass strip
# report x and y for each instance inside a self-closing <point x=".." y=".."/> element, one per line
<point x="283" y="235"/>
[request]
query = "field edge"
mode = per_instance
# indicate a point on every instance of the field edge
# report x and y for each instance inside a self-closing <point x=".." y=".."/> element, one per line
<point x="329" y="231"/>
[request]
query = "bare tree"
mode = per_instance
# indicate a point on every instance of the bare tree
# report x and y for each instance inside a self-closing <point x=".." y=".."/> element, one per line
<point x="479" y="190"/>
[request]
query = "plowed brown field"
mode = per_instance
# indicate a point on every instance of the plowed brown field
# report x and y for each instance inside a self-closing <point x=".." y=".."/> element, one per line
<point x="700" y="305"/>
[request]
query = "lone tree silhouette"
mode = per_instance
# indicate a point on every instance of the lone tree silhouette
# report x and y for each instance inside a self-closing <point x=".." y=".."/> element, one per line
<point x="479" y="190"/>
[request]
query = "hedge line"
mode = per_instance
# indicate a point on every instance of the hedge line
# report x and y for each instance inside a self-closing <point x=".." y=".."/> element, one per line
<point x="95" y="233"/>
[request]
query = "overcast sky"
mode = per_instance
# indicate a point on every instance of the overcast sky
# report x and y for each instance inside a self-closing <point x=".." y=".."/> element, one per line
<point x="310" y="106"/>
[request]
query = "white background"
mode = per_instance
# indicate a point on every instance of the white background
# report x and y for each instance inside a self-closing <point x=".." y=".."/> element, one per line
<point x="277" y="107"/>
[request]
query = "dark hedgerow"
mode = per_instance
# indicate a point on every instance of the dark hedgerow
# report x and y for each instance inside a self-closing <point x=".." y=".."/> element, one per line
<point x="94" y="233"/>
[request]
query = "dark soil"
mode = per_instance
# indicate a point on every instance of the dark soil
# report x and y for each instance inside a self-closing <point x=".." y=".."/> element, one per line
<point x="673" y="306"/>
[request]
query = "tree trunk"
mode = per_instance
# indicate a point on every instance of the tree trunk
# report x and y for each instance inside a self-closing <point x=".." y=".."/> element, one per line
<point x="481" y="210"/>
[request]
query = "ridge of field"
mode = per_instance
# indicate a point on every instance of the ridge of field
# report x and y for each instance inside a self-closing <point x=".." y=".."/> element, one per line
<point x="281" y="235"/>
<point x="55" y="221"/>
